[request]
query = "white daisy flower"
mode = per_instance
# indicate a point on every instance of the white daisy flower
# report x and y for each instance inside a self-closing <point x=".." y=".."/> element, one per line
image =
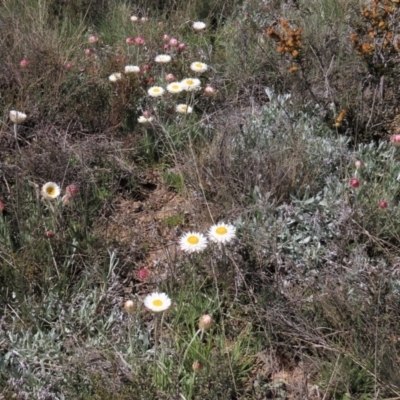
<point x="222" y="233"/>
<point x="193" y="242"/>
<point x="190" y="84"/>
<point x="157" y="302"/>
<point x="183" y="109"/>
<point x="116" y="76"/>
<point x="199" y="26"/>
<point x="132" y="69"/>
<point x="163" y="58"/>
<point x="17" y="117"/>
<point x="174" y="87"/>
<point x="50" y="191"/>
<point x="198" y="66"/>
<point x="143" y="120"/>
<point x="134" y="18"/>
<point x="156" y="91"/>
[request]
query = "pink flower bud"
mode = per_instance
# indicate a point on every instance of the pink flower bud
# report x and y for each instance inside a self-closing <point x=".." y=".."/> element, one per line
<point x="139" y="40"/>
<point x="146" y="67"/>
<point x="66" y="199"/>
<point x="49" y="234"/>
<point x="2" y="206"/>
<point x="354" y="182"/>
<point x="151" y="80"/>
<point x="146" y="114"/>
<point x="72" y="190"/>
<point x="143" y="273"/>
<point x="359" y="164"/>
<point x="173" y="42"/>
<point x="383" y="204"/>
<point x="167" y="47"/>
<point x="24" y="63"/>
<point x="69" y="65"/>
<point x="88" y="52"/>
<point x="205" y="322"/>
<point x="130" y="40"/>
<point x="196" y="366"/>
<point x="93" y="39"/>
<point x="170" y="111"/>
<point x="209" y="91"/>
<point x="166" y="37"/>
<point x="170" y="78"/>
<point x="395" y="140"/>
<point x="182" y="47"/>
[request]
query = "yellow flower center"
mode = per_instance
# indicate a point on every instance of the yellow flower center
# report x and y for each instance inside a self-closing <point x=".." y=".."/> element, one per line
<point x="193" y="240"/>
<point x="157" y="303"/>
<point x="156" y="90"/>
<point x="189" y="82"/>
<point x="51" y="191"/>
<point x="221" y="230"/>
<point x="199" y="65"/>
<point x="184" y="108"/>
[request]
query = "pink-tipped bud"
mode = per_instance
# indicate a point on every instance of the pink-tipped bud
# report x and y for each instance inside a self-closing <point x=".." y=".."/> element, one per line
<point x="88" y="52"/>
<point x="2" y="206"/>
<point x="354" y="182"/>
<point x="151" y="80"/>
<point x="143" y="273"/>
<point x="395" y="140"/>
<point x="167" y="47"/>
<point x="173" y="42"/>
<point x="139" y="40"/>
<point x="209" y="91"/>
<point x="49" y="234"/>
<point x="196" y="366"/>
<point x="93" y="39"/>
<point x="66" y="199"/>
<point x="69" y="65"/>
<point x="130" y="40"/>
<point x="205" y="322"/>
<point x="166" y="37"/>
<point x="170" y="111"/>
<point x="182" y="47"/>
<point x="24" y="63"/>
<point x="72" y="190"/>
<point x="130" y="306"/>
<point x="146" y="67"/>
<point x="146" y="114"/>
<point x="383" y="204"/>
<point x="170" y="78"/>
<point x="359" y="164"/>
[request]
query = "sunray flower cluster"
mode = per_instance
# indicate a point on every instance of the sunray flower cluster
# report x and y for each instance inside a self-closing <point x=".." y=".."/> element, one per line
<point x="183" y="109"/>
<point x="163" y="58"/>
<point x="132" y="69"/>
<point x="221" y="233"/>
<point x="157" y="302"/>
<point x="50" y="191"/>
<point x="156" y="91"/>
<point x="190" y="84"/>
<point x="198" y="66"/>
<point x="174" y="87"/>
<point x="193" y="242"/>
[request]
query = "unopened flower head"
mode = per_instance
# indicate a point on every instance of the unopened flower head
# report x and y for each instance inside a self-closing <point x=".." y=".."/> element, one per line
<point x="395" y="140"/>
<point x="222" y="233"/>
<point x="205" y="322"/>
<point x="198" y="66"/>
<point x="134" y="18"/>
<point x="190" y="84"/>
<point x="183" y="109"/>
<point x="17" y="117"/>
<point x="157" y="302"/>
<point x="174" y="87"/>
<point x="199" y="26"/>
<point x="130" y="306"/>
<point x="193" y="242"/>
<point x="115" y="77"/>
<point x="50" y="191"/>
<point x="145" y="120"/>
<point x="163" y="58"/>
<point x="72" y="190"/>
<point x="132" y="69"/>
<point x="93" y="39"/>
<point x="155" y="91"/>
